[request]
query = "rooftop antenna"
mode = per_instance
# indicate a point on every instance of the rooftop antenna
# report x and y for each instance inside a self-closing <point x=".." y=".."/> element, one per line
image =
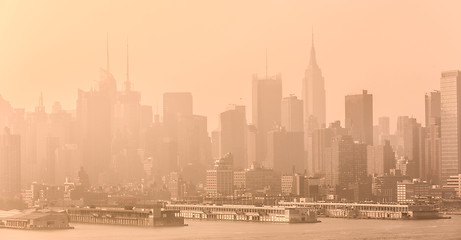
<point x="127" y="83"/>
<point x="266" y="64"/>
<point x="107" y="52"/>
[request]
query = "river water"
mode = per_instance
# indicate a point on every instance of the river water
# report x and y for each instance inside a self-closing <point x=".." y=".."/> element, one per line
<point x="329" y="228"/>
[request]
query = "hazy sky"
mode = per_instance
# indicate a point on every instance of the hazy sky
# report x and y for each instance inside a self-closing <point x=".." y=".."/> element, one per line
<point x="395" y="49"/>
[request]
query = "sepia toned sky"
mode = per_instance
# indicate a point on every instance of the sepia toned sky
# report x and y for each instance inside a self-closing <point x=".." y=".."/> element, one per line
<point x="395" y="49"/>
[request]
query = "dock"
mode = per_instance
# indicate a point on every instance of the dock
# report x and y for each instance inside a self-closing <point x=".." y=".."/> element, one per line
<point x="249" y="213"/>
<point x="369" y="210"/>
<point x="150" y="217"/>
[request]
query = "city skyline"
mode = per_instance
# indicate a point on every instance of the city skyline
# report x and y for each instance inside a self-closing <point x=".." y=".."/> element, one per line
<point x="158" y="68"/>
<point x="320" y="119"/>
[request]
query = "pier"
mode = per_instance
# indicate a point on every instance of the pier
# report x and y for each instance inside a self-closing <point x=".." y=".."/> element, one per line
<point x="129" y="217"/>
<point x="280" y="214"/>
<point x="368" y="211"/>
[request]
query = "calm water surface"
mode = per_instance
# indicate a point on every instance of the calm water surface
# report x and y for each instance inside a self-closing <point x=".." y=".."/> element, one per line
<point x="329" y="228"/>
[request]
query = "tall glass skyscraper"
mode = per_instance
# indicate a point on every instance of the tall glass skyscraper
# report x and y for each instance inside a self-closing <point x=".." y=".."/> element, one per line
<point x="450" y="91"/>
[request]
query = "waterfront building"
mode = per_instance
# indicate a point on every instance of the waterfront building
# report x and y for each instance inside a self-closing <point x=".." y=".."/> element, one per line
<point x="384" y="187"/>
<point x="37" y="220"/>
<point x="220" y="179"/>
<point x="248" y="213"/>
<point x="368" y="210"/>
<point x="145" y="217"/>
<point x="454" y="182"/>
<point x="408" y="190"/>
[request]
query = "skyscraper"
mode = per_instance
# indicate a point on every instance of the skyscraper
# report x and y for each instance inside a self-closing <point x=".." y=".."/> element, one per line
<point x="450" y="95"/>
<point x="322" y="139"/>
<point x="432" y="106"/>
<point x="359" y="117"/>
<point x="410" y="144"/>
<point x="345" y="161"/>
<point x="10" y="164"/>
<point x="292" y="114"/>
<point x="285" y="151"/>
<point x="233" y="129"/>
<point x="175" y="104"/>
<point x="94" y="123"/>
<point x="430" y="170"/>
<point x="380" y="158"/>
<point x="266" y="111"/>
<point x="313" y="91"/>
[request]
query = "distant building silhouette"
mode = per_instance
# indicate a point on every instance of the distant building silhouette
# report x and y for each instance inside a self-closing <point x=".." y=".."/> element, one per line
<point x="292" y="114"/>
<point x="266" y="109"/>
<point x="10" y="164"/>
<point x="233" y="130"/>
<point x="285" y="151"/>
<point x="450" y="92"/>
<point x="359" y="117"/>
<point x="313" y="91"/>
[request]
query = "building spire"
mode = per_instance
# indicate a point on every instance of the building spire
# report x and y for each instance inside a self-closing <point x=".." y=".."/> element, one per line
<point x="313" y="60"/>
<point x="266" y="64"/>
<point x="127" y="83"/>
<point x="40" y="100"/>
<point x="107" y="53"/>
<point x="40" y="108"/>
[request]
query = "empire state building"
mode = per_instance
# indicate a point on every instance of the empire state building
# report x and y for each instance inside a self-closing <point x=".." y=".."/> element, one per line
<point x="313" y="94"/>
